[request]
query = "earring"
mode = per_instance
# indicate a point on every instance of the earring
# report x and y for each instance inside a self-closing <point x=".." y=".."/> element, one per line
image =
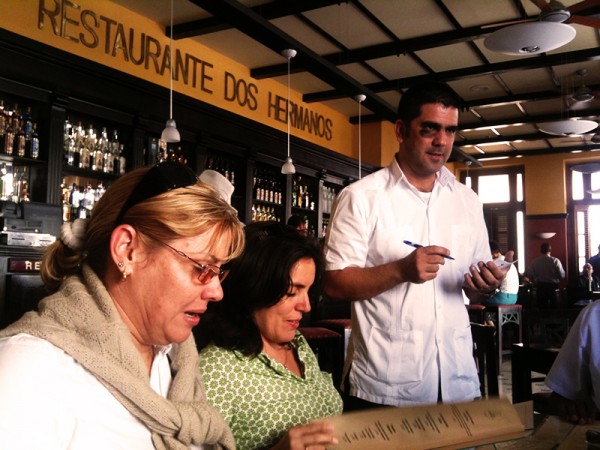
<point x="121" y="266"/>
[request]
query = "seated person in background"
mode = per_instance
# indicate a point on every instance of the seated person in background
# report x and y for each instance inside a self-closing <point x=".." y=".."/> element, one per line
<point x="587" y="282"/>
<point x="546" y="272"/>
<point x="259" y="371"/>
<point x="298" y="223"/>
<point x="507" y="292"/>
<point x="575" y="375"/>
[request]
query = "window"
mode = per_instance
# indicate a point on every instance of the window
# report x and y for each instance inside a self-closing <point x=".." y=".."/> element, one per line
<point x="502" y="194"/>
<point x="584" y="209"/>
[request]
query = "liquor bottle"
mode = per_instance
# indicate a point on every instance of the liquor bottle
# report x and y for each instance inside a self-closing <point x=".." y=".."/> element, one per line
<point x="9" y="136"/>
<point x="90" y="146"/>
<point x="122" y="161"/>
<point x="108" y="165"/>
<point x="99" y="149"/>
<point x="66" y="206"/>
<point x="90" y="197"/>
<point x="295" y="193"/>
<point x="81" y="207"/>
<point x="19" y="144"/>
<point x="34" y="143"/>
<point x="79" y="146"/>
<point x="27" y="125"/>
<point x="306" y="197"/>
<point x="68" y="143"/>
<point x="2" y="124"/>
<point x="113" y="149"/>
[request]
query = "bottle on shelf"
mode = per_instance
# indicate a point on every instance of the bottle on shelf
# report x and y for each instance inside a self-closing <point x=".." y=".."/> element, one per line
<point x="27" y="125"/>
<point x="79" y="148"/>
<point x="66" y="205"/>
<point x="9" y="135"/>
<point x="122" y="160"/>
<point x="33" y="149"/>
<point x="2" y="124"/>
<point x="113" y="148"/>
<point x="19" y="144"/>
<point x="101" y="145"/>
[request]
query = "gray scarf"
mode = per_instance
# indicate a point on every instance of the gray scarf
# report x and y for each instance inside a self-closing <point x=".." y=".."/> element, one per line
<point x="82" y="320"/>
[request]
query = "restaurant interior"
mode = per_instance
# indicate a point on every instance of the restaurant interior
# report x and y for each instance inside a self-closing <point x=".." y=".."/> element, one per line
<point x="528" y="72"/>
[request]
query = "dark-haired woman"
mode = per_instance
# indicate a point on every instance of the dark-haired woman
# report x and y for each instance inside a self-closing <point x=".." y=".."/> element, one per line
<point x="259" y="371"/>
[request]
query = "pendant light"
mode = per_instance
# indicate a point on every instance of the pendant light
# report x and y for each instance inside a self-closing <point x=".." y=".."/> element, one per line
<point x="360" y="98"/>
<point x="288" y="166"/>
<point x="170" y="133"/>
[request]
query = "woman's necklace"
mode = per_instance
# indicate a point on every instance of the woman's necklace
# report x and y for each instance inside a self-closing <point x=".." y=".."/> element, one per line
<point x="287" y="348"/>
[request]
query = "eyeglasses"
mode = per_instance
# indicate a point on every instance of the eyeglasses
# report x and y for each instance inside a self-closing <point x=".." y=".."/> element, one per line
<point x="206" y="272"/>
<point x="161" y="178"/>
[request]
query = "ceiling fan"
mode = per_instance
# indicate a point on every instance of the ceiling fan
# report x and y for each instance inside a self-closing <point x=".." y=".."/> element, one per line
<point x="555" y="11"/>
<point x="548" y="32"/>
<point x="583" y="94"/>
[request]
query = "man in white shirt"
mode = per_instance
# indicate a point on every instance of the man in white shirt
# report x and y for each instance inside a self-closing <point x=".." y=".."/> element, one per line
<point x="411" y="341"/>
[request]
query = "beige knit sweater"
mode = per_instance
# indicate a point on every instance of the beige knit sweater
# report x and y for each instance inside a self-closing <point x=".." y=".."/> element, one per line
<point x="82" y="320"/>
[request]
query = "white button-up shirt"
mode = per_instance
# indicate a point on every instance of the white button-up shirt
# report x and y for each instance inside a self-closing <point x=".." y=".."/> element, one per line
<point x="415" y="337"/>
<point x="49" y="401"/>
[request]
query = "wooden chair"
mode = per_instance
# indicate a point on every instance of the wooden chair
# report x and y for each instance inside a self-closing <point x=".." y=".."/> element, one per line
<point x="504" y="316"/>
<point x="326" y="344"/>
<point x="526" y="359"/>
<point x="484" y="352"/>
<point x="340" y="326"/>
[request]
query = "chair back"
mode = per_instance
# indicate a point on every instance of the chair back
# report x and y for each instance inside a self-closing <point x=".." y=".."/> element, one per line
<point x="484" y="352"/>
<point x="524" y="360"/>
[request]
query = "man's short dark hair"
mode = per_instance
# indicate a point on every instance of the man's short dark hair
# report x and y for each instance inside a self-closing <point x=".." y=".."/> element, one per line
<point x="295" y="221"/>
<point x="426" y="92"/>
<point x="545" y="247"/>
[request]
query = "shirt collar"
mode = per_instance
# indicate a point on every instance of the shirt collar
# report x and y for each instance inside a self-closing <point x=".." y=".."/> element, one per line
<point x="444" y="177"/>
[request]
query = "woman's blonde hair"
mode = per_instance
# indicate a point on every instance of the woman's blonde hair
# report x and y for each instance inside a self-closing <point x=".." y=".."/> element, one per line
<point x="182" y="212"/>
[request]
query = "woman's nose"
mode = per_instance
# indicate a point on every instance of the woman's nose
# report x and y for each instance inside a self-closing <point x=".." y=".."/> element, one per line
<point x="213" y="291"/>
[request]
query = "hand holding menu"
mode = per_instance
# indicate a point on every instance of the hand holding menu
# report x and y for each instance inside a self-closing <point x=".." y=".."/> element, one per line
<point x="426" y="427"/>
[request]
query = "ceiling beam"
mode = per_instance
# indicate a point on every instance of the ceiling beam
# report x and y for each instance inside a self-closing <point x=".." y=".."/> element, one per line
<point x="400" y="47"/>
<point x="536" y="62"/>
<point x="539" y="151"/>
<point x="269" y="11"/>
<point x="261" y="30"/>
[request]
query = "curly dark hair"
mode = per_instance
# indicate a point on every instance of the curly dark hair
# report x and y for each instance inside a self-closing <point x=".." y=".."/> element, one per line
<point x="258" y="279"/>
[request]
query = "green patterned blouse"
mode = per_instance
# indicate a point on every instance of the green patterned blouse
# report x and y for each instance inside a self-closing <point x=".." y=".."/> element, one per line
<point x="261" y="399"/>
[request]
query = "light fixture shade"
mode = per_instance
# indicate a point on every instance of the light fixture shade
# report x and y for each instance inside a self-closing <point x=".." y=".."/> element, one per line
<point x="170" y="133"/>
<point x="568" y="127"/>
<point x="530" y="38"/>
<point x="546" y="235"/>
<point x="288" y="167"/>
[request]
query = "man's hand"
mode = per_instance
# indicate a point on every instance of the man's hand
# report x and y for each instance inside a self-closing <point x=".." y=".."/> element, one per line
<point x="484" y="278"/>
<point x="423" y="264"/>
<point x="577" y="411"/>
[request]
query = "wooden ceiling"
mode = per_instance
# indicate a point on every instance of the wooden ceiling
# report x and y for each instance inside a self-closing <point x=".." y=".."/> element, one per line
<point x="380" y="47"/>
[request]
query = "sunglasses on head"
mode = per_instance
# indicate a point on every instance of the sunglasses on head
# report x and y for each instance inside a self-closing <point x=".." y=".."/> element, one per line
<point x="161" y="178"/>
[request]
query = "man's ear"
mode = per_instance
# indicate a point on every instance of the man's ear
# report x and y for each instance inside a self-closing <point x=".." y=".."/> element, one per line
<point x="400" y="129"/>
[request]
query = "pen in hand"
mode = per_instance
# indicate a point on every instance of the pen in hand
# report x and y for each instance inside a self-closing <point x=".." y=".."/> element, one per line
<point x="412" y="244"/>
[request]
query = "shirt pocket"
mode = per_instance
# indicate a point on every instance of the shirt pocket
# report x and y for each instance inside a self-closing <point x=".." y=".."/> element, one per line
<point x="463" y="351"/>
<point x="396" y="358"/>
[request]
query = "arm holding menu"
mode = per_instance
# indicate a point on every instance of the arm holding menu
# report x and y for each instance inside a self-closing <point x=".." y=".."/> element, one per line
<point x="575" y="375"/>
